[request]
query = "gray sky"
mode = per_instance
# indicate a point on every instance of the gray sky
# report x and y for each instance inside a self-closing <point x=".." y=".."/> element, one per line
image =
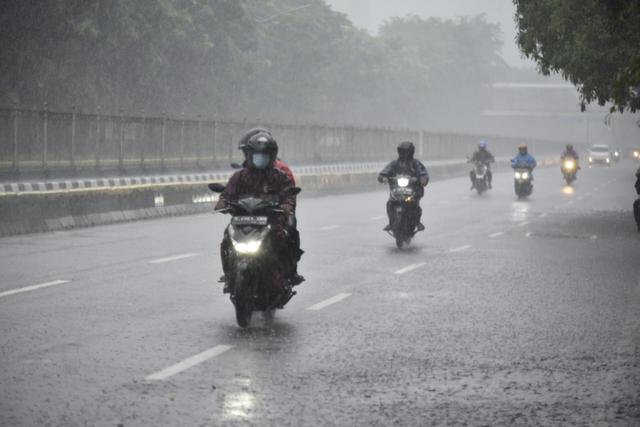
<point x="369" y="14"/>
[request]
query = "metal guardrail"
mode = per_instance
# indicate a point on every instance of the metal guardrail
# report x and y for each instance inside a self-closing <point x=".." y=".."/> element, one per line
<point x="43" y="142"/>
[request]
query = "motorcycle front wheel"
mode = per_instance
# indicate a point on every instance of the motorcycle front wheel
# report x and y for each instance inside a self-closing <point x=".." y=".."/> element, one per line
<point x="243" y="300"/>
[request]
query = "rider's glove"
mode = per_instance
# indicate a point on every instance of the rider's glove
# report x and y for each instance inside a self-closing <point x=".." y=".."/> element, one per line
<point x="220" y="205"/>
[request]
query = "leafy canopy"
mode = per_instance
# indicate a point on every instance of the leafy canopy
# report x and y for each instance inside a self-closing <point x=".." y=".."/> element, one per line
<point x="593" y="43"/>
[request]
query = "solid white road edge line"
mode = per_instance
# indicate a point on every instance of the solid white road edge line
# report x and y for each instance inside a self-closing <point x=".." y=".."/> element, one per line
<point x="329" y="227"/>
<point x="33" y="287"/>
<point x="173" y="258"/>
<point x="499" y="233"/>
<point x="329" y="301"/>
<point x="460" y="248"/>
<point x="409" y="268"/>
<point x="189" y="363"/>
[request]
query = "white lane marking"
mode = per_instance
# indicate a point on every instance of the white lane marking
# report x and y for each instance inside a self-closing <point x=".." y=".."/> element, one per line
<point x="409" y="268"/>
<point x="460" y="248"/>
<point x="328" y="302"/>
<point x="329" y="227"/>
<point x="527" y="234"/>
<point x="189" y="363"/>
<point x="33" y="287"/>
<point x="174" y="258"/>
<point x="499" y="233"/>
<point x="544" y="214"/>
<point x="523" y="223"/>
<point x="443" y="202"/>
<point x="377" y="218"/>
<point x="594" y="237"/>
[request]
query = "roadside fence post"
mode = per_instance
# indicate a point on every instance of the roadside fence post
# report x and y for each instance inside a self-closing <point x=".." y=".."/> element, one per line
<point x="14" y="161"/>
<point x="121" y="143"/>
<point x="72" y="148"/>
<point x="163" y="140"/>
<point x="44" y="136"/>
<point x="142" y="141"/>
<point x="98" y="139"/>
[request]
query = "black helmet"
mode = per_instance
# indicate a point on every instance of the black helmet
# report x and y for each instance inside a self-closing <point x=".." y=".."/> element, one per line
<point x="244" y="140"/>
<point x="262" y="143"/>
<point x="406" y="150"/>
<point x="569" y="147"/>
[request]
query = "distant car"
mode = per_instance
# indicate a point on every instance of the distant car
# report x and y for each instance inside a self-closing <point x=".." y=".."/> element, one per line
<point x="635" y="154"/>
<point x="600" y="154"/>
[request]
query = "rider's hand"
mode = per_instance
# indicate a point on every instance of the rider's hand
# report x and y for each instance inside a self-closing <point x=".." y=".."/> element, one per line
<point x="287" y="209"/>
<point x="381" y="179"/>
<point x="220" y="205"/>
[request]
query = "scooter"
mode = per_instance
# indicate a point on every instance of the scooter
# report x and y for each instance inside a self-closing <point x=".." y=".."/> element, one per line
<point x="255" y="281"/>
<point x="522" y="182"/>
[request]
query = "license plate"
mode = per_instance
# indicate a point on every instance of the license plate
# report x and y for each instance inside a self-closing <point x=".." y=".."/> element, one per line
<point x="249" y="220"/>
<point x="403" y="191"/>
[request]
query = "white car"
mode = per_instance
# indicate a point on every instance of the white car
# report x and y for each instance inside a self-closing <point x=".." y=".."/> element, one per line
<point x="600" y="154"/>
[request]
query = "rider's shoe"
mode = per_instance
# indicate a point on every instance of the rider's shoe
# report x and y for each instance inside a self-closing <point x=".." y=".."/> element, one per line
<point x="296" y="279"/>
<point x="387" y="228"/>
<point x="489" y="185"/>
<point x="420" y="226"/>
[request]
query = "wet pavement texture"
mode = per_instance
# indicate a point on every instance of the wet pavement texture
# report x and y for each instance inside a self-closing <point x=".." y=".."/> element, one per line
<point x="503" y="312"/>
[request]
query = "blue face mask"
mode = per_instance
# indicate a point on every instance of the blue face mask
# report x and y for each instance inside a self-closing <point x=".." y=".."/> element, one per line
<point x="260" y="160"/>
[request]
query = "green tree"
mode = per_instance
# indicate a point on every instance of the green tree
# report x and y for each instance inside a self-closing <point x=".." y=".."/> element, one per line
<point x="593" y="43"/>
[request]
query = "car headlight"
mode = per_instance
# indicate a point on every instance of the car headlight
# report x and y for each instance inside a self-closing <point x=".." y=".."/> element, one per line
<point x="636" y="154"/>
<point x="607" y="159"/>
<point x="250" y="247"/>
<point x="591" y="159"/>
<point x="403" y="182"/>
<point x="616" y="154"/>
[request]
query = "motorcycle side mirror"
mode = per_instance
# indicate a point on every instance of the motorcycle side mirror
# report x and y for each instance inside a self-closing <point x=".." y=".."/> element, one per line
<point x="293" y="191"/>
<point x="236" y="165"/>
<point x="216" y="187"/>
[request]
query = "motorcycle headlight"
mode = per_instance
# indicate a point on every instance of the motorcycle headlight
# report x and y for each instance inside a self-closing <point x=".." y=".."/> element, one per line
<point x="518" y="175"/>
<point x="591" y="159"/>
<point x="607" y="160"/>
<point x="616" y="154"/>
<point x="525" y="175"/>
<point x="636" y="154"/>
<point x="569" y="165"/>
<point x="250" y="247"/>
<point x="403" y="182"/>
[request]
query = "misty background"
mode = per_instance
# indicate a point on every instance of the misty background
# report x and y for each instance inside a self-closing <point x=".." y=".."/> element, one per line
<point x="448" y="66"/>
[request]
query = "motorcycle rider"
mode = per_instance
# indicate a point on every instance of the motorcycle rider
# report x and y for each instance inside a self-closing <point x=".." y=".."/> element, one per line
<point x="524" y="160"/>
<point x="260" y="178"/>
<point x="406" y="165"/>
<point x="481" y="156"/>
<point x="570" y="153"/>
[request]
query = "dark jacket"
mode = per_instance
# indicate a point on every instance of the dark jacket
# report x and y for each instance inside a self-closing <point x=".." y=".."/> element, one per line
<point x="570" y="153"/>
<point x="483" y="156"/>
<point x="638" y="181"/>
<point x="411" y="167"/>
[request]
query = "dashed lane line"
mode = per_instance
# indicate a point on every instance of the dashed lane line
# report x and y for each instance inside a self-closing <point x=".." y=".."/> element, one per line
<point x="528" y="234"/>
<point x="378" y="218"/>
<point x="461" y="248"/>
<point x="329" y="227"/>
<point x="33" y="287"/>
<point x="189" y="363"/>
<point x="593" y="237"/>
<point x="499" y="233"/>
<point x="409" y="268"/>
<point x="523" y="223"/>
<point x="329" y="301"/>
<point x="174" y="258"/>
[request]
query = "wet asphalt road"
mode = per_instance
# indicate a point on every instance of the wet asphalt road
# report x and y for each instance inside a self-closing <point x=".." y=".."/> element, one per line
<point x="503" y="312"/>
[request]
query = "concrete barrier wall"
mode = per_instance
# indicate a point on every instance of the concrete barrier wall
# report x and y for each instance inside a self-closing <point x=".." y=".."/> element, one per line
<point x="49" y="206"/>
